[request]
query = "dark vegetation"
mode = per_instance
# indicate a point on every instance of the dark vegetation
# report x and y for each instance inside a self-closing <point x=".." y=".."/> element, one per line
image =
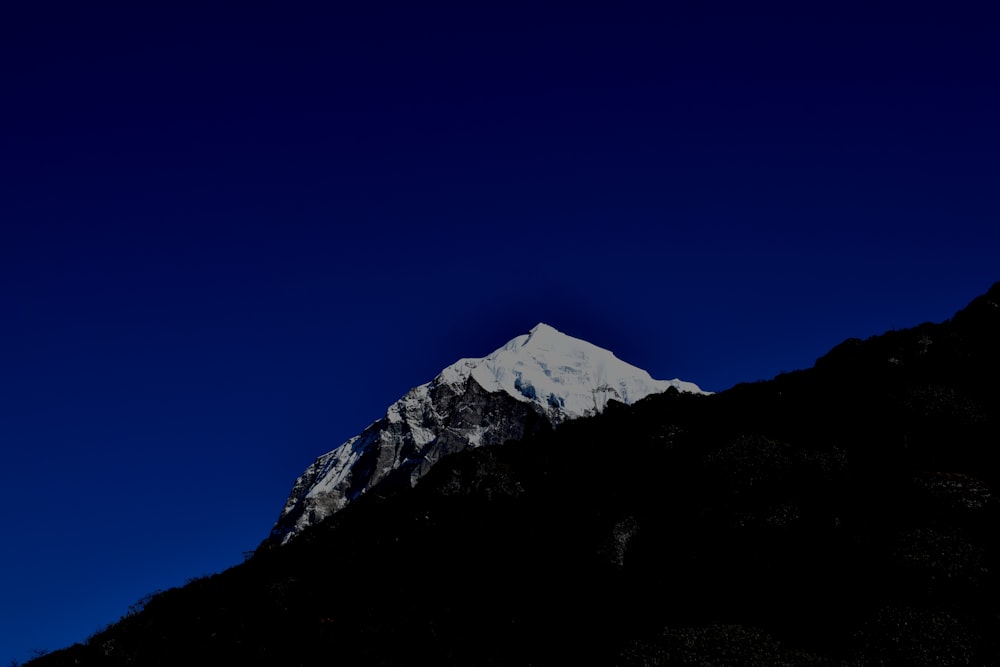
<point x="841" y="515"/>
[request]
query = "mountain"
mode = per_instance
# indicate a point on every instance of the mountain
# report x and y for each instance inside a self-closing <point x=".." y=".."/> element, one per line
<point x="534" y="382"/>
<point x="842" y="515"/>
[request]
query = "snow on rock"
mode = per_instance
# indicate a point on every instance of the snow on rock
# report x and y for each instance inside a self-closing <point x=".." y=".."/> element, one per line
<point x="535" y="381"/>
<point x="565" y="376"/>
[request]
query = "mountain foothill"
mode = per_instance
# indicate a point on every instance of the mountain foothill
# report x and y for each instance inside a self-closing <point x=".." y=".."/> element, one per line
<point x="844" y="514"/>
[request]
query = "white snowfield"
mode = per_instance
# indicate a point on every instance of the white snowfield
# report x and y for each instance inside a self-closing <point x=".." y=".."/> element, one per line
<point x="550" y="374"/>
<point x="565" y="376"/>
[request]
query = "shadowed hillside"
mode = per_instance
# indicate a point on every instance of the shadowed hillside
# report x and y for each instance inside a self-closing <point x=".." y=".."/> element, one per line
<point x="841" y="515"/>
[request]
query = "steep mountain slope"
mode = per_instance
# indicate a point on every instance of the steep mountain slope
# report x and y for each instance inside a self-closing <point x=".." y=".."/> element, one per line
<point x="535" y="381"/>
<point x="841" y="515"/>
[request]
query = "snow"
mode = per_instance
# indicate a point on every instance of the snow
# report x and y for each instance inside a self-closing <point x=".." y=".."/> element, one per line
<point x="567" y="377"/>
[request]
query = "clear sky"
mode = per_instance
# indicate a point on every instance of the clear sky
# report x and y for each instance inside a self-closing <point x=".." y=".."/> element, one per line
<point x="232" y="234"/>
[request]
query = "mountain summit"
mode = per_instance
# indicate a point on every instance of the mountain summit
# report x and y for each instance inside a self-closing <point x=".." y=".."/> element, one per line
<point x="534" y="382"/>
<point x="565" y="376"/>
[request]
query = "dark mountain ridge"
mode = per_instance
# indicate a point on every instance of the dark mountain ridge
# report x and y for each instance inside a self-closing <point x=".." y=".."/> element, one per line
<point x="840" y="515"/>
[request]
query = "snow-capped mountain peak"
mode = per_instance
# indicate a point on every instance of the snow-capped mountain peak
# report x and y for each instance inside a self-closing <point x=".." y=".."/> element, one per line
<point x="567" y="377"/>
<point x="542" y="377"/>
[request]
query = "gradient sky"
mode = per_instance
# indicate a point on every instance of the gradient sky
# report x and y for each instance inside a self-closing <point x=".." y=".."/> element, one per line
<point x="232" y="235"/>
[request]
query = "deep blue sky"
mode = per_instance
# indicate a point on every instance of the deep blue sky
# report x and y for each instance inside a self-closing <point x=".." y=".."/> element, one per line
<point x="231" y="235"/>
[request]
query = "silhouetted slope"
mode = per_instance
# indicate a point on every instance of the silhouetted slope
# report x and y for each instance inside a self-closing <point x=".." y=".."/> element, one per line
<point x="843" y="514"/>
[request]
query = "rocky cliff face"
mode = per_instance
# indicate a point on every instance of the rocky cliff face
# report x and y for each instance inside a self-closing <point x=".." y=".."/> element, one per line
<point x="534" y="382"/>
